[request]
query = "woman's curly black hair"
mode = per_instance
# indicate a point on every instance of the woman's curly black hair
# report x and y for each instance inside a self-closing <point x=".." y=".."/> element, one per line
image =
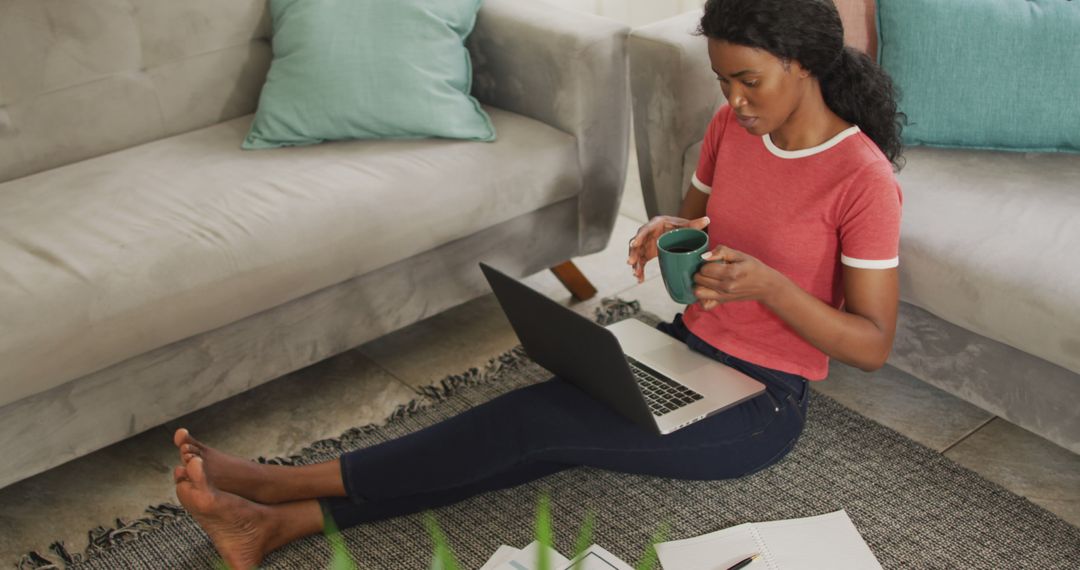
<point x="810" y="32"/>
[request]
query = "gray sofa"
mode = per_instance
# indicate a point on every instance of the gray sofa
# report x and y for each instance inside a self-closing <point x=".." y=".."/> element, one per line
<point x="989" y="262"/>
<point x="149" y="267"/>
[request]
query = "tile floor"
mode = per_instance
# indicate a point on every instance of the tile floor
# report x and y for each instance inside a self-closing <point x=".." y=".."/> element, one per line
<point x="363" y="385"/>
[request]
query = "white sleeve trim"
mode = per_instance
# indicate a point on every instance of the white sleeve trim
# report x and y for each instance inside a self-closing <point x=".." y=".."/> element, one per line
<point x="869" y="263"/>
<point x="700" y="185"/>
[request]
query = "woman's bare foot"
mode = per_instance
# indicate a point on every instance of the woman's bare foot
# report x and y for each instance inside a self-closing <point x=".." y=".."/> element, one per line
<point x="266" y="484"/>
<point x="241" y="530"/>
<point x="229" y="473"/>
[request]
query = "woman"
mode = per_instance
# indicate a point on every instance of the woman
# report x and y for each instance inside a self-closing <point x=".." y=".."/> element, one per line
<point x="796" y="179"/>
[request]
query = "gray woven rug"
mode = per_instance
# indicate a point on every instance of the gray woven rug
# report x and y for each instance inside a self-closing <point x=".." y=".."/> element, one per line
<point x="914" y="507"/>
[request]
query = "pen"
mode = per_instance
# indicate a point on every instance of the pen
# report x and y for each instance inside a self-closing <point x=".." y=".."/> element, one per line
<point x="744" y="562"/>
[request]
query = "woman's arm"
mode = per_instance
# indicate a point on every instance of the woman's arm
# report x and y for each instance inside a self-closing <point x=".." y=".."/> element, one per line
<point x="693" y="204"/>
<point x="861" y="335"/>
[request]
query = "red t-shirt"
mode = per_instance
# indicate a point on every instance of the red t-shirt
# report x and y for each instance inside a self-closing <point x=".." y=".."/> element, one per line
<point x="803" y="213"/>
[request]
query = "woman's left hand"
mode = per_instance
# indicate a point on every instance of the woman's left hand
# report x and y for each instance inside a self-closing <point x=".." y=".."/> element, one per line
<point x="731" y="275"/>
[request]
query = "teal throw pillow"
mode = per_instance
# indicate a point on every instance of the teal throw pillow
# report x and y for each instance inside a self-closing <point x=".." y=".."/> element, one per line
<point x="368" y="69"/>
<point x="988" y="74"/>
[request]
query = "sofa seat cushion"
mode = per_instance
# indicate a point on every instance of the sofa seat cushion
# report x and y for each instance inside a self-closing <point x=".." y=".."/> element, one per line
<point x="112" y="257"/>
<point x="990" y="242"/>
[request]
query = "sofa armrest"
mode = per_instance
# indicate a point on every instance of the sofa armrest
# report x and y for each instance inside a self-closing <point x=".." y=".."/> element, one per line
<point x="568" y="70"/>
<point x="675" y="95"/>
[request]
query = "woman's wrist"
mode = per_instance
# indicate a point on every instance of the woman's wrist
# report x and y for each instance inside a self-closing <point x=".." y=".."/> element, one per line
<point x="778" y="291"/>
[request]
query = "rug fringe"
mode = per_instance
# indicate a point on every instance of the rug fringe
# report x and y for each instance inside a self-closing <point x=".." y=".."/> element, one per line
<point x="611" y="310"/>
<point x="101" y="539"/>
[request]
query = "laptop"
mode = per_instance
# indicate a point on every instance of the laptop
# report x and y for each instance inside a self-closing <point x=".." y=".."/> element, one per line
<point x="644" y="374"/>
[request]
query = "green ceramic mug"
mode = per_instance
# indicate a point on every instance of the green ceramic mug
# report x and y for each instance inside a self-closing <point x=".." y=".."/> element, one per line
<point x="680" y="252"/>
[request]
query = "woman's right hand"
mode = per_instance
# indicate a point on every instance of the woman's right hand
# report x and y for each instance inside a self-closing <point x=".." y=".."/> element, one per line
<point x="643" y="245"/>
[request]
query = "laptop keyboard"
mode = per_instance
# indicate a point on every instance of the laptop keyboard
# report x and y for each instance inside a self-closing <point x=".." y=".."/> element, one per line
<point x="661" y="393"/>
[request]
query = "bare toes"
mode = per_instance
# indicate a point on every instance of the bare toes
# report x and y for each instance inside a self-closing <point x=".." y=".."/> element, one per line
<point x="180" y="436"/>
<point x="183" y="437"/>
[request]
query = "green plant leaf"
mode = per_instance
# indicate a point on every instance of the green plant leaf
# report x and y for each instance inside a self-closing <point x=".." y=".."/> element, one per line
<point x="443" y="557"/>
<point x="543" y="532"/>
<point x="340" y="560"/>
<point x="650" y="558"/>
<point x="584" y="538"/>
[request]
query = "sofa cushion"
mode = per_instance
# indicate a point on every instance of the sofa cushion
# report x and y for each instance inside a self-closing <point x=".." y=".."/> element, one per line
<point x="366" y="70"/>
<point x="82" y="79"/>
<point x="990" y="242"/>
<point x="990" y="74"/>
<point x="117" y="255"/>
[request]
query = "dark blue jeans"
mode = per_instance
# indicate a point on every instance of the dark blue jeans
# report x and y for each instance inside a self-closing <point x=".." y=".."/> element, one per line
<point x="547" y="427"/>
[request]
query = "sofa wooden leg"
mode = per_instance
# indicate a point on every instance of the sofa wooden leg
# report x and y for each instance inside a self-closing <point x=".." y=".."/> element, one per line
<point x="572" y="278"/>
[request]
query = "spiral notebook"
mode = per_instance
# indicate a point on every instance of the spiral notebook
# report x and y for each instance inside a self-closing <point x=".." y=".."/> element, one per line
<point x="827" y="541"/>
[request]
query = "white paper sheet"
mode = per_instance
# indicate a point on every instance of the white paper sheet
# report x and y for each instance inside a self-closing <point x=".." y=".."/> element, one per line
<point x="526" y="558"/>
<point x="503" y="554"/>
<point x="596" y="558"/>
<point x="828" y="541"/>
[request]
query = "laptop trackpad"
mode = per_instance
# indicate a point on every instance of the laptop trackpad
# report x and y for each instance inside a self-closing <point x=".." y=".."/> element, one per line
<point x="673" y="358"/>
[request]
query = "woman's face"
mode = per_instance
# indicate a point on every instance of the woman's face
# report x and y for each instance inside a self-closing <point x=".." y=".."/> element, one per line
<point x="762" y="89"/>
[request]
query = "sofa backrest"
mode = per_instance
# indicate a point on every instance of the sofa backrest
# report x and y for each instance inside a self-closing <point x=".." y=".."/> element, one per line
<point x="81" y="79"/>
<point x="860" y="27"/>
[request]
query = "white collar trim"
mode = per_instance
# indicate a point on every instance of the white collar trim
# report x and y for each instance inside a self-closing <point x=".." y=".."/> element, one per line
<point x="812" y="150"/>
